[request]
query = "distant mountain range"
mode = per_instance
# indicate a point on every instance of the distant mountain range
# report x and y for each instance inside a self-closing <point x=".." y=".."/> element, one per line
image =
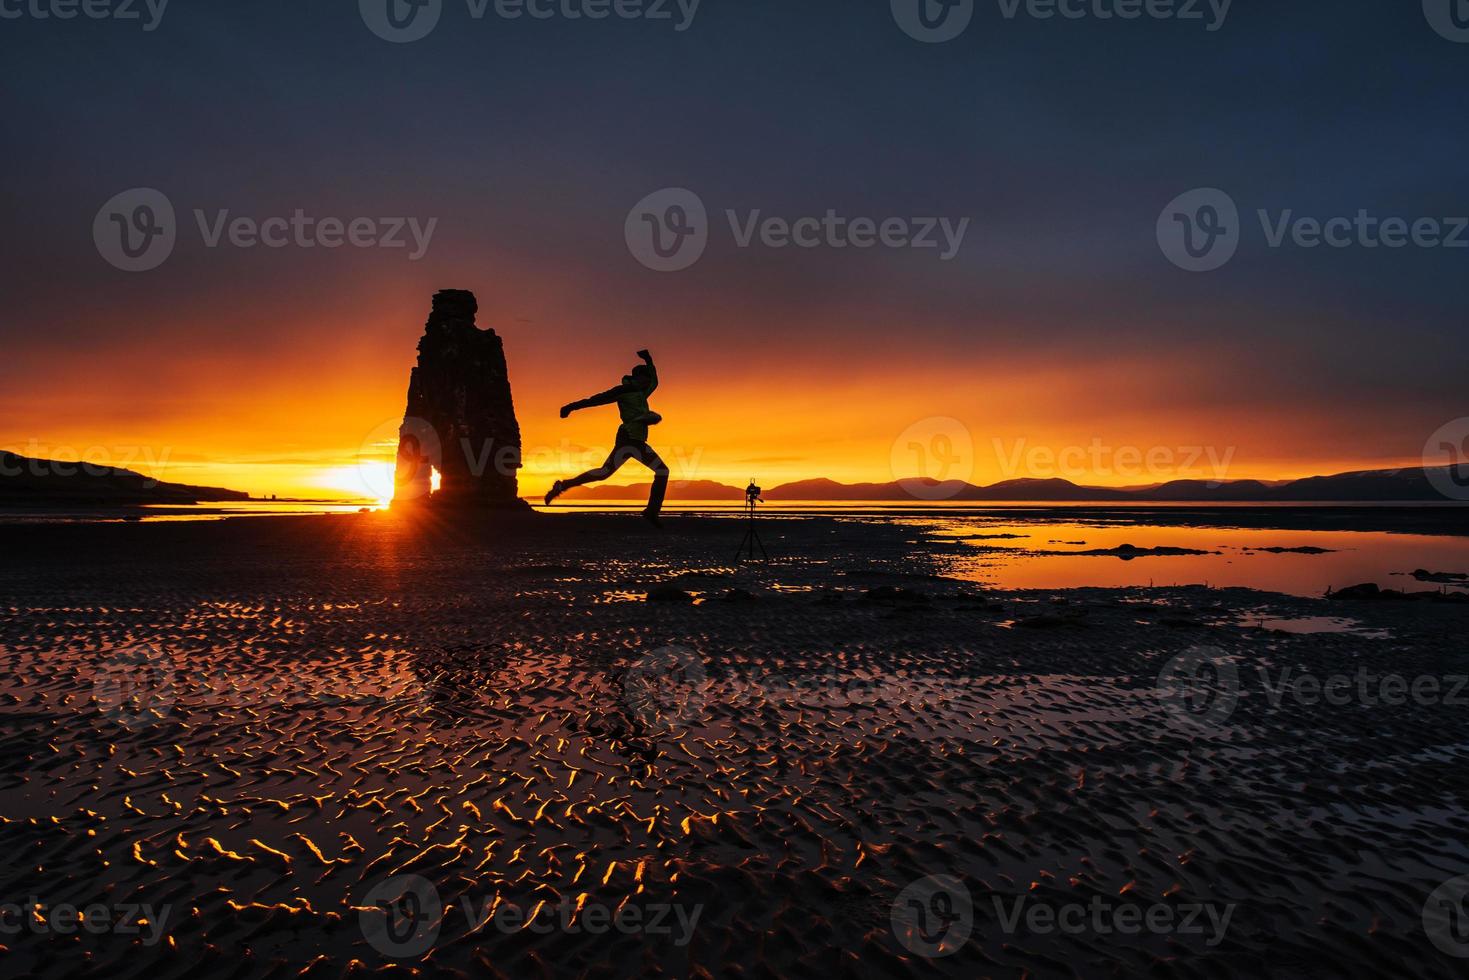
<point x="1409" y="485"/>
<point x="48" y="482"/>
<point x="40" y="482"/>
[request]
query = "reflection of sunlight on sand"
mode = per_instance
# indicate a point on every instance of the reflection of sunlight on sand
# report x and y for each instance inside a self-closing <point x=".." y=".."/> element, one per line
<point x="354" y="701"/>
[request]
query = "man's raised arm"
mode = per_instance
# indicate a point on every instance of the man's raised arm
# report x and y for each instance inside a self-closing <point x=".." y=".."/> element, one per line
<point x="652" y="370"/>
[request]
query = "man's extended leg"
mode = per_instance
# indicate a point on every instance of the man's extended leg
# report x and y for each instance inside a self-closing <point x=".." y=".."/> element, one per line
<point x="613" y="463"/>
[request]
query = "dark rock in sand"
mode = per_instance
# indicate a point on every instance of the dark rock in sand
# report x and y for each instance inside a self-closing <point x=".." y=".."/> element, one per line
<point x="1446" y="578"/>
<point x="1127" y="552"/>
<point x="460" y="418"/>
<point x="1371" y="592"/>
<point x="1365" y="591"/>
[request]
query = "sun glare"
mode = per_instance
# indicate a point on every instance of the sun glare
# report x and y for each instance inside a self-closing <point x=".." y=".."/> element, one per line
<point x="371" y="479"/>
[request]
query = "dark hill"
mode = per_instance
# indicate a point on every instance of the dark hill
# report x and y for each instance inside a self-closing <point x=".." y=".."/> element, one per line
<point x="48" y="482"/>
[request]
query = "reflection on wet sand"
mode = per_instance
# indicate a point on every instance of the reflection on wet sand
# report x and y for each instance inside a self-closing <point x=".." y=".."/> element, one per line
<point x="1303" y="563"/>
<point x="281" y="731"/>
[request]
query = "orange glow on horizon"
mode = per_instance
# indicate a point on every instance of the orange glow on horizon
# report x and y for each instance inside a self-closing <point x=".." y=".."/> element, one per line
<point x="268" y="419"/>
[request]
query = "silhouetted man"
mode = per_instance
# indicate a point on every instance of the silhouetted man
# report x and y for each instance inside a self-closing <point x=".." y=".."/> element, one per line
<point x="632" y="436"/>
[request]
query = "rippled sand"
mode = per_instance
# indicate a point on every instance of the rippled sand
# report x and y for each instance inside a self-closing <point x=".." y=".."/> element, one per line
<point x="257" y="723"/>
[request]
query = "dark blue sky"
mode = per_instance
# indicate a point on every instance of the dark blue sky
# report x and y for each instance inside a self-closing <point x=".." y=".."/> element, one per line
<point x="1061" y="141"/>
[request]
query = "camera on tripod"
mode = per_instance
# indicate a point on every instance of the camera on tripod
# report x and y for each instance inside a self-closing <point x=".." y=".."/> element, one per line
<point x="751" y="540"/>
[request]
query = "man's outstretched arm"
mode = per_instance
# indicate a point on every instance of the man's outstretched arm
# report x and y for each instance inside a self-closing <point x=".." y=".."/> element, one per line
<point x="604" y="398"/>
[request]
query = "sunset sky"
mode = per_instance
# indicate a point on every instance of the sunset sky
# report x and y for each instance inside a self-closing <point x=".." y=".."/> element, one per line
<point x="1059" y="324"/>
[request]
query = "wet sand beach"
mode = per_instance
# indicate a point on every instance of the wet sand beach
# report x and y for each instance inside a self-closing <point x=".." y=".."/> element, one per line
<point x="577" y="746"/>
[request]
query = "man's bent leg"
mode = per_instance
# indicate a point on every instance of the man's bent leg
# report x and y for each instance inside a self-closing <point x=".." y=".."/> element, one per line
<point x="654" y="462"/>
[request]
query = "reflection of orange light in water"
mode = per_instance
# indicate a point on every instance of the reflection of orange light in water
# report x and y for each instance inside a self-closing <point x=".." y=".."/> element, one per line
<point x="1233" y="557"/>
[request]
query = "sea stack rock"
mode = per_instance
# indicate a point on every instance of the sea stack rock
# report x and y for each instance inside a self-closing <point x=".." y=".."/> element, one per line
<point x="460" y="418"/>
